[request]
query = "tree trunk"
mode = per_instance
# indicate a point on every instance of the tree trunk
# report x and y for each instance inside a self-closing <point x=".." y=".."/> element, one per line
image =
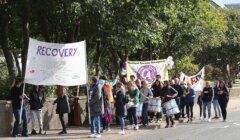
<point x="4" y="40"/>
<point x="25" y="26"/>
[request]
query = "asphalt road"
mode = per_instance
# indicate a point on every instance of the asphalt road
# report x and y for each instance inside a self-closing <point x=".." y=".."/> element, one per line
<point x="215" y="130"/>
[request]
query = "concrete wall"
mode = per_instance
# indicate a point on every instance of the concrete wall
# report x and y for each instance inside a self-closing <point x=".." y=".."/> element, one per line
<point x="50" y="118"/>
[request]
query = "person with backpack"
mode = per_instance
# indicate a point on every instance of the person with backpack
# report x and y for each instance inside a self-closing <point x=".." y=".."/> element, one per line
<point x="37" y="99"/>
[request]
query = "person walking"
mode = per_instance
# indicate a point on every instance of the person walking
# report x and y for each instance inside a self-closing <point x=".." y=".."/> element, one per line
<point x="120" y="102"/>
<point x="169" y="94"/>
<point x="146" y="94"/>
<point x="62" y="106"/>
<point x="17" y="96"/>
<point x="190" y="95"/>
<point x="133" y="95"/>
<point x="207" y="97"/>
<point x="157" y="93"/>
<point x="37" y="99"/>
<point x="179" y="98"/>
<point x="223" y="98"/>
<point x="216" y="106"/>
<point x="96" y="107"/>
<point x="199" y="102"/>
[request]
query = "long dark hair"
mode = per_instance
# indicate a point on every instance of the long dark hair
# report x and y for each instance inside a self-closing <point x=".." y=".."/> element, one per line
<point x="224" y="85"/>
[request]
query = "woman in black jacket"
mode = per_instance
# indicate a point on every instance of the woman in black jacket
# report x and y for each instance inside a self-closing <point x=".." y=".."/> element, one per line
<point x="37" y="99"/>
<point x="223" y="97"/>
<point x="62" y="106"/>
<point x="157" y="93"/>
<point x="120" y="102"/>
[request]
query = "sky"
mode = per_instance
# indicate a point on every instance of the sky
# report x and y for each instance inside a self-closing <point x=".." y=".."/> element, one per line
<point x="229" y="1"/>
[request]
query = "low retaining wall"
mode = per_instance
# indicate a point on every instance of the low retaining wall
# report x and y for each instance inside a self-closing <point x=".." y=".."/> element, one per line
<point x="50" y="118"/>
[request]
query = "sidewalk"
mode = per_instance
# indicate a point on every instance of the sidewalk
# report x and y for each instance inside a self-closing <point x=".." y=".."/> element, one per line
<point x="83" y="132"/>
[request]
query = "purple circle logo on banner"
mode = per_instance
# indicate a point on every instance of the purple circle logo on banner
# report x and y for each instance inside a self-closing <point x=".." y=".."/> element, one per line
<point x="147" y="72"/>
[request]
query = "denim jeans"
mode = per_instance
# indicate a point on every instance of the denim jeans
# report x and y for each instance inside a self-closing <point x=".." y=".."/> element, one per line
<point x="145" y="113"/>
<point x="216" y="107"/>
<point x="132" y="114"/>
<point x="208" y="106"/>
<point x="121" y="121"/>
<point x="16" y="113"/>
<point x="95" y="124"/>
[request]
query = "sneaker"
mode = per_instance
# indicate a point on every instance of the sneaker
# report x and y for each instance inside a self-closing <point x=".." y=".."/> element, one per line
<point x="136" y="127"/>
<point x="25" y="135"/>
<point x="166" y="126"/>
<point x="109" y="130"/>
<point x="42" y="132"/>
<point x="34" y="132"/>
<point x="62" y="133"/>
<point x="173" y="125"/>
<point x="224" y="120"/>
<point x="91" y="136"/>
<point x="209" y="120"/>
<point x="97" y="136"/>
<point x="130" y="127"/>
<point x="122" y="132"/>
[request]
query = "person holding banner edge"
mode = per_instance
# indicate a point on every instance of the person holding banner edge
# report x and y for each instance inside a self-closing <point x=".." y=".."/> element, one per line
<point x="18" y="98"/>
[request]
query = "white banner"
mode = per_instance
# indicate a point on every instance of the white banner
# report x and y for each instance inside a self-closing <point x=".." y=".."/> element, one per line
<point x="197" y="81"/>
<point x="56" y="64"/>
<point x="147" y="70"/>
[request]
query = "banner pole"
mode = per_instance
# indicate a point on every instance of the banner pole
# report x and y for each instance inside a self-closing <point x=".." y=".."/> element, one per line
<point x="21" y="110"/>
<point x="89" y="116"/>
<point x="78" y="90"/>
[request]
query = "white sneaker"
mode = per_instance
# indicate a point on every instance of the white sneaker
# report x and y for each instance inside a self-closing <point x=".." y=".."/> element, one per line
<point x="209" y="120"/>
<point x="97" y="136"/>
<point x="91" y="136"/>
<point x="136" y="127"/>
<point x="130" y="127"/>
<point x="122" y="132"/>
<point x="109" y="130"/>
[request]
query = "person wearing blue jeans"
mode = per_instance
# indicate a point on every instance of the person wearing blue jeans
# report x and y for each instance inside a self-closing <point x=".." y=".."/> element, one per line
<point x="146" y="94"/>
<point x="95" y="125"/>
<point x="95" y="106"/>
<point x="207" y="97"/>
<point x="215" y="102"/>
<point x="16" y="113"/>
<point x="145" y="114"/>
<point x="120" y="101"/>
<point x="206" y="105"/>
<point x="17" y="97"/>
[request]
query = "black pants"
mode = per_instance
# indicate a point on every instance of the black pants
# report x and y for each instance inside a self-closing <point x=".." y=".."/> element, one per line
<point x="132" y="114"/>
<point x="223" y="106"/>
<point x="169" y="118"/>
<point x="200" y="108"/>
<point x="182" y="107"/>
<point x="189" y="106"/>
<point x="158" y="115"/>
<point x="61" y="117"/>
